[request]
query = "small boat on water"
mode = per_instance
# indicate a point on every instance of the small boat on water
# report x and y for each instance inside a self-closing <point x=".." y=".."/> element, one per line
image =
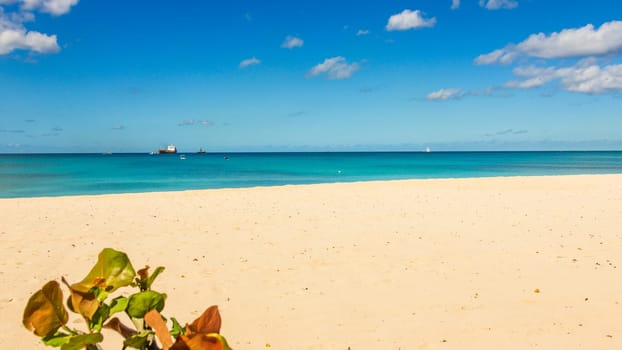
<point x="201" y="151"/>
<point x="171" y="149"/>
<point x="182" y="157"/>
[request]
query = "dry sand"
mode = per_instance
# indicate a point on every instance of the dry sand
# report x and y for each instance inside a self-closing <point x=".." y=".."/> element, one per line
<point x="423" y="264"/>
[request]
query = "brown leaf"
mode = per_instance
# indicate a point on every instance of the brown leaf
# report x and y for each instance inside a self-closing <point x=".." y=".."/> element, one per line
<point x="116" y="325"/>
<point x="84" y="303"/>
<point x="197" y="342"/>
<point x="155" y="321"/>
<point x="180" y="344"/>
<point x="143" y="273"/>
<point x="45" y="312"/>
<point x="208" y="322"/>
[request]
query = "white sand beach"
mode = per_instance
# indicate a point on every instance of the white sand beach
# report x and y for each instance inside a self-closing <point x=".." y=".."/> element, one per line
<point x="418" y="264"/>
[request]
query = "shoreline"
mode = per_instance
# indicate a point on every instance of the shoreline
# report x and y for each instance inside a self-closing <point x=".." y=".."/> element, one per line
<point x="431" y="263"/>
<point x="316" y="184"/>
<point x="312" y="152"/>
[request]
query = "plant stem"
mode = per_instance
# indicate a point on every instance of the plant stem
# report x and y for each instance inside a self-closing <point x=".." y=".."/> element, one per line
<point x="72" y="331"/>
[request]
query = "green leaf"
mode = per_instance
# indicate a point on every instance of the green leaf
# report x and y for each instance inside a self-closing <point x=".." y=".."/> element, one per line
<point x="56" y="340"/>
<point x="45" y="313"/>
<point x="177" y="328"/>
<point x="99" y="317"/>
<point x="112" y="270"/>
<point x="138" y="341"/>
<point x="100" y="293"/>
<point x="153" y="276"/>
<point x="78" y="342"/>
<point x="141" y="303"/>
<point x="118" y="304"/>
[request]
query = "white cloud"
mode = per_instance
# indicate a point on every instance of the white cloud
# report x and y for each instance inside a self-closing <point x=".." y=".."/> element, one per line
<point x="446" y="94"/>
<point x="20" y="39"/>
<point x="249" y="62"/>
<point x="533" y="77"/>
<point x="501" y="56"/>
<point x="584" y="41"/>
<point x="54" y="7"/>
<point x="569" y="43"/>
<point x="498" y="4"/>
<point x="408" y="19"/>
<point x="584" y="77"/>
<point x="592" y="79"/>
<point x="455" y="4"/>
<point x="458" y="93"/>
<point x="362" y="32"/>
<point x="13" y="34"/>
<point x="291" y="42"/>
<point x="335" y="67"/>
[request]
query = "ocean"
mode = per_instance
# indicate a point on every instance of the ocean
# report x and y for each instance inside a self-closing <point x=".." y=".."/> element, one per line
<point x="36" y="175"/>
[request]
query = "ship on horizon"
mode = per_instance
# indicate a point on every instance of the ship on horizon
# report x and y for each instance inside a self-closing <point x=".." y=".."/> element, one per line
<point x="170" y="149"/>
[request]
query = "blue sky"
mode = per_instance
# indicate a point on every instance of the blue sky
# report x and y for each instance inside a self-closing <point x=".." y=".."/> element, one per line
<point x="132" y="76"/>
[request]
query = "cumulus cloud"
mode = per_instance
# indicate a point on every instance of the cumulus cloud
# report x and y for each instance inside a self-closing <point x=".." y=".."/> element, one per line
<point x="249" y="62"/>
<point x="569" y="43"/>
<point x="446" y="94"/>
<point x="291" y="42"/>
<point x="592" y="79"/>
<point x="501" y="56"/>
<point x="21" y="39"/>
<point x="498" y="4"/>
<point x="335" y="68"/>
<point x="408" y="19"/>
<point x="584" y="77"/>
<point x="13" y="34"/>
<point x="56" y="7"/>
<point x="455" y="4"/>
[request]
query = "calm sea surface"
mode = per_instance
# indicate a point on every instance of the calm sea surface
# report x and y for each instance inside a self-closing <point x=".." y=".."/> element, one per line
<point x="74" y="174"/>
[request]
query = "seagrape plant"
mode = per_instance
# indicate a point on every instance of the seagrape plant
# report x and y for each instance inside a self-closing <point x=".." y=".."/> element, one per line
<point x="46" y="316"/>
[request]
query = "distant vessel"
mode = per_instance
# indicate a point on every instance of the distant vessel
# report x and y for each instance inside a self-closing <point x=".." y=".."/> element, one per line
<point x="182" y="157"/>
<point x="201" y="151"/>
<point x="169" y="149"/>
<point x="427" y="150"/>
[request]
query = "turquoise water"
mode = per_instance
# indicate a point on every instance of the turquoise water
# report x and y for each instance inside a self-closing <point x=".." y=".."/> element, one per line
<point x="74" y="174"/>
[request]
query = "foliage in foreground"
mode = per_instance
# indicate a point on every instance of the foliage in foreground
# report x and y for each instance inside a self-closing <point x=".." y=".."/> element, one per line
<point x="46" y="316"/>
